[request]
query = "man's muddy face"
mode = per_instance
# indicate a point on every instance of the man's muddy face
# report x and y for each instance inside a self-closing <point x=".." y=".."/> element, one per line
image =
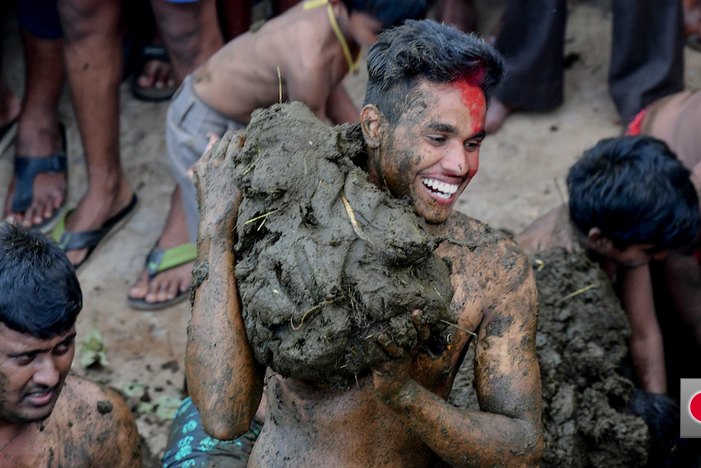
<point x="32" y="372"/>
<point x="433" y="152"/>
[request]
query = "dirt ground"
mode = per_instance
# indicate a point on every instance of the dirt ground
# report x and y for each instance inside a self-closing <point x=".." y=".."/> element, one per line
<point x="521" y="169"/>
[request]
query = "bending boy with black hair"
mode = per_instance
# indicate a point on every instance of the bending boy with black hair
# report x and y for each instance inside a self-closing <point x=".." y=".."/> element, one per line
<point x="423" y="144"/>
<point x="47" y="417"/>
<point x="630" y="202"/>
<point x="302" y="55"/>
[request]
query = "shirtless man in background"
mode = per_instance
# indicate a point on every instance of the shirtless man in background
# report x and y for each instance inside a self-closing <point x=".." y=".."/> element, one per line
<point x="658" y="280"/>
<point x="47" y="417"/>
<point x="423" y="124"/>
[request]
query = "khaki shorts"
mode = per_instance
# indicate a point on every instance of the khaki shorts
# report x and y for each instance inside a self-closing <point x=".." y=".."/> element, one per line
<point x="188" y="124"/>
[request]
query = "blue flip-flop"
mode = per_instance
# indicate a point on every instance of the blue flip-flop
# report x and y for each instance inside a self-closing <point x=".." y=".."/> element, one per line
<point x="26" y="170"/>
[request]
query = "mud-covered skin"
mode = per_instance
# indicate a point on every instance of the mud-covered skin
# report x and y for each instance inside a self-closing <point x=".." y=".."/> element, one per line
<point x="417" y="428"/>
<point x="399" y="415"/>
<point x="580" y="344"/>
<point x="78" y="434"/>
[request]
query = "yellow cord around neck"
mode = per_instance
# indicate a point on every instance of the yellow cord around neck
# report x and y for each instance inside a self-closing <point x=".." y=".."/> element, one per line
<point x="352" y="65"/>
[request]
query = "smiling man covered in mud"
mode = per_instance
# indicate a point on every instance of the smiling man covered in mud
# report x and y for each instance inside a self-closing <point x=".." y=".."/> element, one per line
<point x="47" y="417"/>
<point x="423" y="124"/>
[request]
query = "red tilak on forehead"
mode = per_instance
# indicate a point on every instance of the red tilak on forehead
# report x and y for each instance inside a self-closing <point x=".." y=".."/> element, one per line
<point x="471" y="96"/>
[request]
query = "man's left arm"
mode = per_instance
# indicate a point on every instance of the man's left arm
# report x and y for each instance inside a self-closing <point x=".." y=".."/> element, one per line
<point x="508" y="429"/>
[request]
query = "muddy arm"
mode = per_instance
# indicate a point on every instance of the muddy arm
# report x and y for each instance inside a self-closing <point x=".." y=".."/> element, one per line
<point x="507" y="432"/>
<point x="645" y="342"/>
<point x="224" y="381"/>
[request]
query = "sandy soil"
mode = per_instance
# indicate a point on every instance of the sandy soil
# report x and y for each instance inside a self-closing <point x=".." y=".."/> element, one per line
<point x="521" y="168"/>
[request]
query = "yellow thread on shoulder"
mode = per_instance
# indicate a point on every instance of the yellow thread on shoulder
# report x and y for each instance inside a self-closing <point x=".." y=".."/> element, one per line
<point x="310" y="4"/>
<point x="352" y="65"/>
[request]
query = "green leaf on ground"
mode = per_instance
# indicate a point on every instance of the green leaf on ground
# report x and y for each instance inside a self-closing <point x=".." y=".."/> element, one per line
<point x="92" y="352"/>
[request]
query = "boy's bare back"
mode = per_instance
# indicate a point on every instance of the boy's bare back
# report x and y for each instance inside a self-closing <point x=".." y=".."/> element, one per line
<point x="243" y="75"/>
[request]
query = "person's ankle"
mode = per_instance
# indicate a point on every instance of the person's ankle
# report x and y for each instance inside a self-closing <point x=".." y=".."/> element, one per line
<point x="112" y="186"/>
<point x="38" y="134"/>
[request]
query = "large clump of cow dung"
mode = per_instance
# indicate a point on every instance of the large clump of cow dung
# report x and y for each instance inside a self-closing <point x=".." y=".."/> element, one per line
<point x="325" y="260"/>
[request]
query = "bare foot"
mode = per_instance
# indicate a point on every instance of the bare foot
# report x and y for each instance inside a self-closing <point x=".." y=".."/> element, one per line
<point x="157" y="74"/>
<point x="167" y="284"/>
<point x="39" y="136"/>
<point x="497" y="112"/>
<point x="102" y="201"/>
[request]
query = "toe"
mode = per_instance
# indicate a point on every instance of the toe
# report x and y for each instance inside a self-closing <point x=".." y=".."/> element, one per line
<point x="162" y="295"/>
<point x="33" y="213"/>
<point x="153" y="290"/>
<point x="172" y="290"/>
<point x="140" y="288"/>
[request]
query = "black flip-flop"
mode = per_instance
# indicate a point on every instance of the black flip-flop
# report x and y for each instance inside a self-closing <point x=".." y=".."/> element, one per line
<point x="26" y="170"/>
<point x="92" y="239"/>
<point x="151" y="94"/>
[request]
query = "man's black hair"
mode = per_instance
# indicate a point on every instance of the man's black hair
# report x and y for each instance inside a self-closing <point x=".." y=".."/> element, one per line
<point x="39" y="291"/>
<point x="635" y="191"/>
<point x="389" y="12"/>
<point x="666" y="448"/>
<point x="417" y="50"/>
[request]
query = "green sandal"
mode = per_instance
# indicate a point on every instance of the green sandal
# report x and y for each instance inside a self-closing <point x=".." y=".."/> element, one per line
<point x="159" y="261"/>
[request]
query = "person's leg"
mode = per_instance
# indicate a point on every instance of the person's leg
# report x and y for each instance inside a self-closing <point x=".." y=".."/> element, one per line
<point x="459" y="13"/>
<point x="93" y="53"/>
<point x="192" y="36"/>
<point x="646" y="54"/>
<point x="38" y="133"/>
<point x="166" y="285"/>
<point x="190" y="31"/>
<point x="532" y="42"/>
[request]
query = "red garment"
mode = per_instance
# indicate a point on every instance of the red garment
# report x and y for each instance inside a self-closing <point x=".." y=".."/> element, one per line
<point x="633" y="128"/>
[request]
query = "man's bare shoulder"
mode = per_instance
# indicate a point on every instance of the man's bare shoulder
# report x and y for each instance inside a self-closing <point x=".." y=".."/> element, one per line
<point x="100" y="419"/>
<point x="469" y="240"/>
<point x="486" y="262"/>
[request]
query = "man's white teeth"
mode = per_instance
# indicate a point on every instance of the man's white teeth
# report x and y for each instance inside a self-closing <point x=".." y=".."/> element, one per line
<point x="446" y="190"/>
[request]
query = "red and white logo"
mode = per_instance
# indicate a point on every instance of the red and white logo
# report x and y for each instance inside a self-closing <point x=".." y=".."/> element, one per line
<point x="695" y="407"/>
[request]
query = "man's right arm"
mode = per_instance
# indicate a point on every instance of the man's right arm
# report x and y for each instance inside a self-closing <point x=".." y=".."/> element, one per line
<point x="223" y="379"/>
<point x="645" y="342"/>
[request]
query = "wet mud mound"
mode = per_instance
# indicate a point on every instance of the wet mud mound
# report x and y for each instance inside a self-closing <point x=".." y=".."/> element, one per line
<point x="581" y="341"/>
<point x="326" y="261"/>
